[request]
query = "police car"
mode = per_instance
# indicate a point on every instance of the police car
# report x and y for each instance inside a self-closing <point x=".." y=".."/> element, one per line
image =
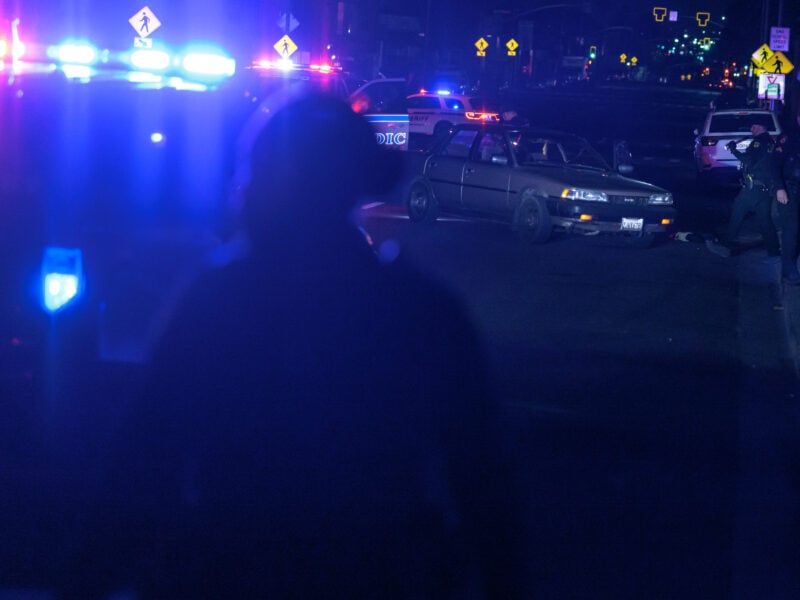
<point x="435" y="113"/>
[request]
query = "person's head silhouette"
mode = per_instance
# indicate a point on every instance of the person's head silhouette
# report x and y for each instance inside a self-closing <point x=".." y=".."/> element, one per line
<point x="309" y="165"/>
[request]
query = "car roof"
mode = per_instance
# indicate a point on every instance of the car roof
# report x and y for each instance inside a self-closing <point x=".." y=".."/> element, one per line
<point x="542" y="131"/>
<point x="742" y="111"/>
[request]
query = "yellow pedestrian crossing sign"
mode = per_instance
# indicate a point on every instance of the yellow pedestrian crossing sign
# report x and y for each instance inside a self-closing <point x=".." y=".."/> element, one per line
<point x="623" y="57"/>
<point x="481" y="45"/>
<point x="762" y="55"/>
<point x="634" y="60"/>
<point x="285" y="46"/>
<point x="512" y="46"/>
<point x="777" y="63"/>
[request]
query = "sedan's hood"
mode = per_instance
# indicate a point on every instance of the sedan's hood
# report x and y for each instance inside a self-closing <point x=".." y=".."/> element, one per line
<point x="602" y="181"/>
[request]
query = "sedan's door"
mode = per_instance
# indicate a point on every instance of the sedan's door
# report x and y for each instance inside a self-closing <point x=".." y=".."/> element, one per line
<point x="486" y="176"/>
<point x="445" y="169"/>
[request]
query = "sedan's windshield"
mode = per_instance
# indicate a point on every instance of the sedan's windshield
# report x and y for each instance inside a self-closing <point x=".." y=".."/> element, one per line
<point x="534" y="148"/>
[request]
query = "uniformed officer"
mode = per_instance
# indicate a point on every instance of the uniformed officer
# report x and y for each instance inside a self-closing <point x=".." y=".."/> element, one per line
<point x="787" y="152"/>
<point x="760" y="184"/>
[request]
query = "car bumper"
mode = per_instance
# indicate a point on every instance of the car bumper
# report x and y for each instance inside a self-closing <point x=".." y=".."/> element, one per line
<point x="590" y="216"/>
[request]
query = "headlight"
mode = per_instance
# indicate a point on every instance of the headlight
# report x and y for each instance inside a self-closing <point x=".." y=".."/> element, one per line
<point x="588" y="195"/>
<point x="665" y="198"/>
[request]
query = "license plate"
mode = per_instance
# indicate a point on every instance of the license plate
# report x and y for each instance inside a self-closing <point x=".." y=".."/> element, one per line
<point x="632" y="224"/>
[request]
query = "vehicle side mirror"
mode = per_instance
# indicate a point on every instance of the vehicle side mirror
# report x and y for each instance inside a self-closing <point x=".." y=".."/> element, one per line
<point x="625" y="169"/>
<point x="498" y="159"/>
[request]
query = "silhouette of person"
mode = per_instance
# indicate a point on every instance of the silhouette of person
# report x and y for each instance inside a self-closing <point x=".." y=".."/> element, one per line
<point x="764" y="55"/>
<point x="145" y="21"/>
<point x="316" y="422"/>
<point x="285" y="51"/>
<point x="778" y="65"/>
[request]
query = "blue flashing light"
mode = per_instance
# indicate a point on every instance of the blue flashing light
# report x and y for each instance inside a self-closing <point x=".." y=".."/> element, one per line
<point x="150" y="59"/>
<point x="76" y="53"/>
<point x="209" y="63"/>
<point x="62" y="277"/>
<point x="157" y="137"/>
<point x="443" y="92"/>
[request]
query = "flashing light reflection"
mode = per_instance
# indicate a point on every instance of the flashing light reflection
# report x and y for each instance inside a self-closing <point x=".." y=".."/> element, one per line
<point x="142" y="77"/>
<point x="3" y="49"/>
<point x="77" y="71"/>
<point x="150" y="60"/>
<point x="284" y="64"/>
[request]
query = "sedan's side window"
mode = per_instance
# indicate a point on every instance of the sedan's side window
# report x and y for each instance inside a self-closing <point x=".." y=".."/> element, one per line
<point x="491" y="145"/>
<point x="460" y="144"/>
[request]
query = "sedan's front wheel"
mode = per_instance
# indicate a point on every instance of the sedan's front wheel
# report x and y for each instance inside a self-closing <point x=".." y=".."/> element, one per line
<point x="421" y="205"/>
<point x="532" y="220"/>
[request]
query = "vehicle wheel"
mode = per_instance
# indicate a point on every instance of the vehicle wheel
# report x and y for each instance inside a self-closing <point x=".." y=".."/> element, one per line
<point x="441" y="129"/>
<point x="421" y="205"/>
<point x="644" y="240"/>
<point x="532" y="220"/>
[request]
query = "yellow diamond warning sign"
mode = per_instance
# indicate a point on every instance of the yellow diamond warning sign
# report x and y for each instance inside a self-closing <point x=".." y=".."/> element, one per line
<point x="285" y="47"/>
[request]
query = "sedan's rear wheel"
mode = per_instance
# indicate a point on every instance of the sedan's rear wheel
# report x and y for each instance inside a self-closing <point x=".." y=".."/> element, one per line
<point x="532" y="220"/>
<point x="421" y="205"/>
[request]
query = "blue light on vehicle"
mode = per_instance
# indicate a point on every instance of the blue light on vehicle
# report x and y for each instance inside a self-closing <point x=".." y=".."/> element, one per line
<point x="62" y="277"/>
<point x="443" y="92"/>
<point x="76" y="53"/>
<point x="209" y="63"/>
<point x="157" y="138"/>
<point x="150" y="60"/>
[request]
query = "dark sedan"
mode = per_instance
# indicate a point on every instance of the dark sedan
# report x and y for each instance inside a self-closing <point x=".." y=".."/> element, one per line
<point x="537" y="180"/>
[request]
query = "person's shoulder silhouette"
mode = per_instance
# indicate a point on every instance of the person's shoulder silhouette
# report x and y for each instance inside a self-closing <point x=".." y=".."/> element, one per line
<point x="317" y="423"/>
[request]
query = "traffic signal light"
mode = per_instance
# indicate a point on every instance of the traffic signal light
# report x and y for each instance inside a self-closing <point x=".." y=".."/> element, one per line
<point x="592" y="52"/>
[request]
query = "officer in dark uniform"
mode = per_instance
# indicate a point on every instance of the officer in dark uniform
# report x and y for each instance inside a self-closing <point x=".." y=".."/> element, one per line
<point x="760" y="184"/>
<point x="787" y="153"/>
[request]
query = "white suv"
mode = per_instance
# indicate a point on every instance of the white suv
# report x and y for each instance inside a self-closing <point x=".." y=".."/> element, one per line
<point x="713" y="160"/>
<point x="436" y="113"/>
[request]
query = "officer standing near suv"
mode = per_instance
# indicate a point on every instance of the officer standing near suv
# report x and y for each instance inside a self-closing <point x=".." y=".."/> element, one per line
<point x="787" y="153"/>
<point x="760" y="184"/>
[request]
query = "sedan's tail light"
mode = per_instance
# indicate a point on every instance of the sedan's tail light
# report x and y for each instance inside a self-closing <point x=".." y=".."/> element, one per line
<point x="706" y="141"/>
